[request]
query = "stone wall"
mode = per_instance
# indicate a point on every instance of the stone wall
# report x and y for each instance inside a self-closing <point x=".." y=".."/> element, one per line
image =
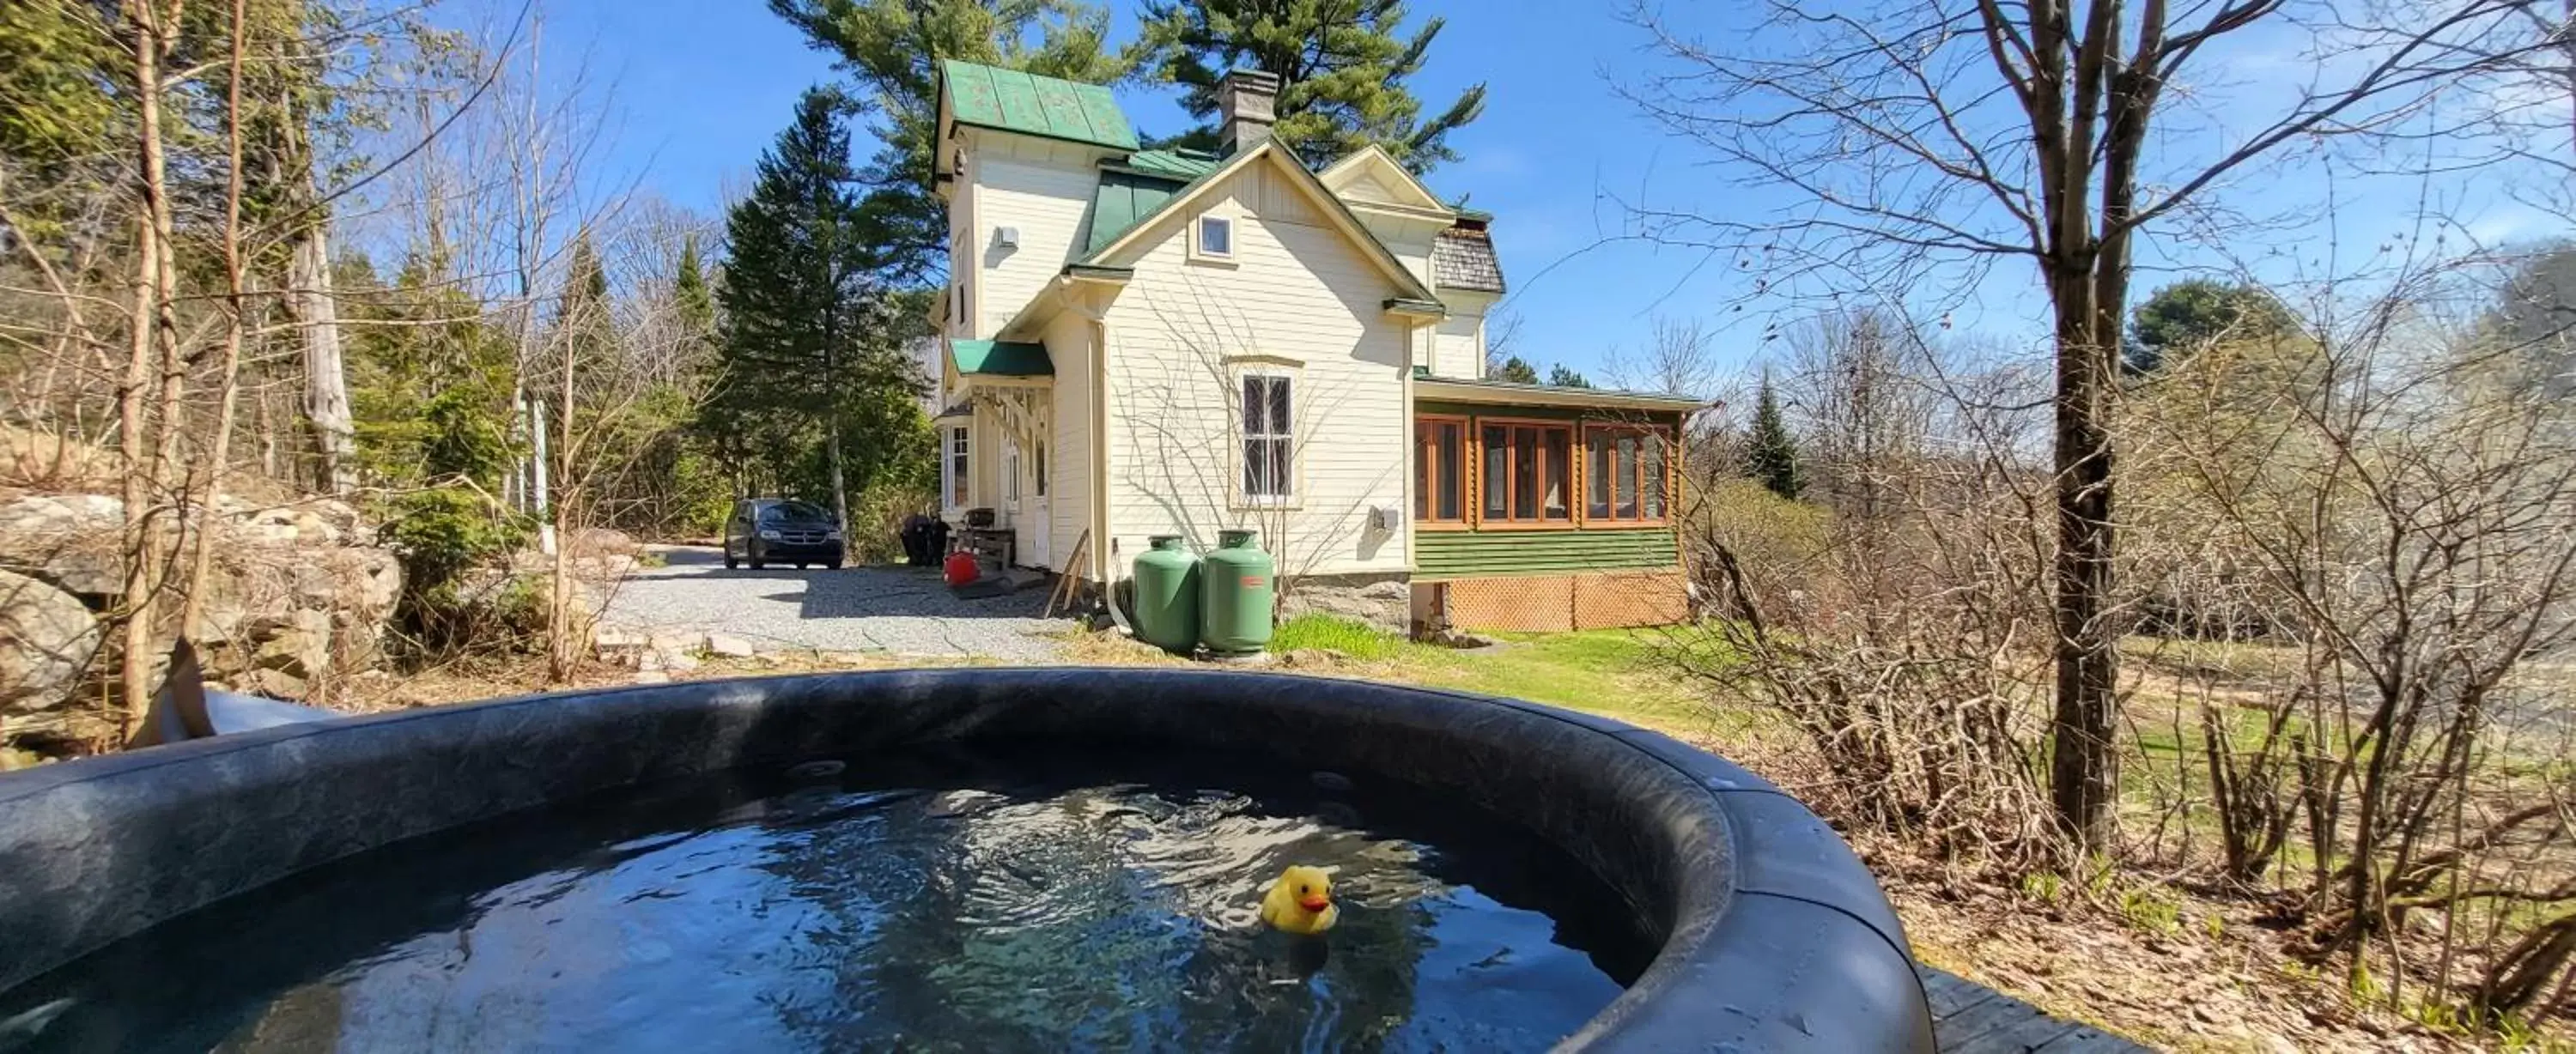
<point x="1381" y="600"/>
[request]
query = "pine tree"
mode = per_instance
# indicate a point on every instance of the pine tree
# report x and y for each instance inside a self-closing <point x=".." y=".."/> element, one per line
<point x="809" y="340"/>
<point x="1341" y="66"/>
<point x="891" y="50"/>
<point x="1772" y="454"/>
<point x="689" y="292"/>
<point x="1562" y="376"/>
<point x="1517" y="371"/>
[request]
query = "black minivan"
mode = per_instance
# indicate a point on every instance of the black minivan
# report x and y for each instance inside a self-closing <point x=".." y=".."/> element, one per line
<point x="768" y="531"/>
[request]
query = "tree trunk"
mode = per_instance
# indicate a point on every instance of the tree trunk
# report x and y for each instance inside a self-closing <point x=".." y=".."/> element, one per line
<point x="2084" y="777"/>
<point x="326" y="389"/>
<point x="200" y="563"/>
<point x="567" y="631"/>
<point x="134" y="397"/>
<point x="840" y="488"/>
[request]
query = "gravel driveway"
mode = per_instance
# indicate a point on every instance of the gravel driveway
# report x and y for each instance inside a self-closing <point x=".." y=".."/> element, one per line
<point x="902" y="610"/>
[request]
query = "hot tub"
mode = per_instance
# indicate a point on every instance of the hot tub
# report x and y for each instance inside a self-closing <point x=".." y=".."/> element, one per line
<point x="1761" y="930"/>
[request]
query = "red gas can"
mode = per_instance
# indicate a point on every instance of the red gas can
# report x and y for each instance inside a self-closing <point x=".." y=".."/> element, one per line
<point x="960" y="568"/>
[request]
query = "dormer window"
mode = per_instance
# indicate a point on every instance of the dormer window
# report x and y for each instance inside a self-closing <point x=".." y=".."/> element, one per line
<point x="1213" y="239"/>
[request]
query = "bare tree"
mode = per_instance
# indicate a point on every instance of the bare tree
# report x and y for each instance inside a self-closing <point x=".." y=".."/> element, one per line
<point x="1680" y="358"/>
<point x="1969" y="132"/>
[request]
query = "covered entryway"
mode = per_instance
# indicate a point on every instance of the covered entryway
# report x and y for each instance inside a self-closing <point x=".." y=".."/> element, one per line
<point x="1011" y="384"/>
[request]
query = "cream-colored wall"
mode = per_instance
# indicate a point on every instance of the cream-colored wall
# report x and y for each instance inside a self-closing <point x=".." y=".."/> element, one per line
<point x="1068" y="341"/>
<point x="1301" y="298"/>
<point x="1043" y="190"/>
<point x="1458" y="347"/>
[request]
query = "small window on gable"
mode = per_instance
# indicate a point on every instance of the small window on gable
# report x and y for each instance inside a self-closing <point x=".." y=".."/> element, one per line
<point x="1216" y="237"/>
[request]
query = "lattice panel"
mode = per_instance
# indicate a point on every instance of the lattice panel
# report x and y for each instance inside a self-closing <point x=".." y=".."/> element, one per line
<point x="1556" y="603"/>
<point x="1619" y="599"/>
<point x="1537" y="604"/>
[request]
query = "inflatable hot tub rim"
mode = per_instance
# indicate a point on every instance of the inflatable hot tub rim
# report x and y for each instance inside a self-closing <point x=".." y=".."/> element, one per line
<point x="1773" y="936"/>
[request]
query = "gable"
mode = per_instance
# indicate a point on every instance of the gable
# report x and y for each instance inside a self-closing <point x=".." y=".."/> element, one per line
<point x="1268" y="183"/>
<point x="1369" y="177"/>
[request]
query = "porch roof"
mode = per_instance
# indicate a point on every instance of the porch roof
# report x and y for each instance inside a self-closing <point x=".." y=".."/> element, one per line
<point x="1452" y="389"/>
<point x="1000" y="358"/>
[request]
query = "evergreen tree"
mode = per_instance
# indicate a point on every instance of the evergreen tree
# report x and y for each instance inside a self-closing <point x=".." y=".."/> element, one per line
<point x="1517" y="371"/>
<point x="891" y="50"/>
<point x="584" y="330"/>
<point x="2190" y="315"/>
<point x="1772" y="454"/>
<point x="689" y="291"/>
<point x="811" y="343"/>
<point x="1561" y="376"/>
<point x="1341" y="66"/>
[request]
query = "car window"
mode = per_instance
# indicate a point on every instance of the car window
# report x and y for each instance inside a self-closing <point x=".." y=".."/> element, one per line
<point x="792" y="510"/>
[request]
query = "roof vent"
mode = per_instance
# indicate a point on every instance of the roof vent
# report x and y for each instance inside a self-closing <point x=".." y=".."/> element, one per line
<point x="1247" y="99"/>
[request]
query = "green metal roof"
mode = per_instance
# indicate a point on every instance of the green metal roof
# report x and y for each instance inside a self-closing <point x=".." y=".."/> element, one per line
<point x="1013" y="101"/>
<point x="1138" y="187"/>
<point x="1183" y="165"/>
<point x="1000" y="358"/>
<point x="1123" y="200"/>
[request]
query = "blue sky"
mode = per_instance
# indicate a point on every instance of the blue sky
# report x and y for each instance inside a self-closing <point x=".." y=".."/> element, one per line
<point x="699" y="88"/>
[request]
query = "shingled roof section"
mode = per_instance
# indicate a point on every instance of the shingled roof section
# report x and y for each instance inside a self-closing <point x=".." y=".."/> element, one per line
<point x="1463" y="258"/>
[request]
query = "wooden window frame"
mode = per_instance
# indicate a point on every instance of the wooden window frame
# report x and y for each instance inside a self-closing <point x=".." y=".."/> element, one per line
<point x="1242" y="497"/>
<point x="957" y="461"/>
<point x="1663" y="437"/>
<point x="1573" y="476"/>
<point x="1467" y="472"/>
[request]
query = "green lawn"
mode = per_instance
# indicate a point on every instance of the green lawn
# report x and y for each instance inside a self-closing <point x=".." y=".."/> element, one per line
<point x="1607" y="672"/>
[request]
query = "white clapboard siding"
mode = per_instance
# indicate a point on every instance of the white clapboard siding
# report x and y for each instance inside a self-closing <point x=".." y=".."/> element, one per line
<point x="1068" y="342"/>
<point x="1458" y="350"/>
<point x="1297" y="290"/>
<point x="1046" y="198"/>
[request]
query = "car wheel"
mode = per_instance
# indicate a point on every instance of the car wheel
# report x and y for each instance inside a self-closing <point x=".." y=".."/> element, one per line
<point x="758" y="564"/>
<point x="831" y="565"/>
<point x="800" y="565"/>
<point x="731" y="563"/>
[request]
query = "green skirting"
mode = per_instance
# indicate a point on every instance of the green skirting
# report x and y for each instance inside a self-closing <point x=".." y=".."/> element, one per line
<point x="1484" y="554"/>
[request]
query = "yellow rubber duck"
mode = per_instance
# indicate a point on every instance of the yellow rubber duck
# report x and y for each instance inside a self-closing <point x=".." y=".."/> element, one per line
<point x="1301" y="902"/>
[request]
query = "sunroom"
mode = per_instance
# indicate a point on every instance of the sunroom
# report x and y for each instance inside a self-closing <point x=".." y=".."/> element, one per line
<point x="1540" y="508"/>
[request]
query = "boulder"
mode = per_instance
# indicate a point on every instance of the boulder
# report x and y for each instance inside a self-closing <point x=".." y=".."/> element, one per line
<point x="728" y="647"/>
<point x="601" y="541"/>
<point x="74" y="541"/>
<point x="46" y="639"/>
<point x="300" y="648"/>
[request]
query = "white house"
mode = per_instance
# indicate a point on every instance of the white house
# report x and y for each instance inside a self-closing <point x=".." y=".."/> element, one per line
<point x="1145" y="342"/>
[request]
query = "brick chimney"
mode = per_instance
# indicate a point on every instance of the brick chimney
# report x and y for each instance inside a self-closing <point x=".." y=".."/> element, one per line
<point x="1246" y="98"/>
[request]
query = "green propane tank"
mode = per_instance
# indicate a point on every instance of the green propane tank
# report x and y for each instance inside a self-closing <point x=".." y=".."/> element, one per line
<point x="1237" y="585"/>
<point x="1167" y="594"/>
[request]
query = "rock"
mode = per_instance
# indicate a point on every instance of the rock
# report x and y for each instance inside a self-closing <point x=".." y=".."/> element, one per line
<point x="46" y="639"/>
<point x="679" y="660"/>
<point x="1380" y="602"/>
<point x="728" y="647"/>
<point x="12" y="758"/>
<point x="72" y="540"/>
<point x="275" y="684"/>
<point x="652" y="677"/>
<point x="299" y="648"/>
<point x="601" y="541"/>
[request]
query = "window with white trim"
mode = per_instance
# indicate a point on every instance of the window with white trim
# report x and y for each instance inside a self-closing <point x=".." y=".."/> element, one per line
<point x="1269" y="453"/>
<point x="1216" y="237"/>
<point x="953" y="469"/>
